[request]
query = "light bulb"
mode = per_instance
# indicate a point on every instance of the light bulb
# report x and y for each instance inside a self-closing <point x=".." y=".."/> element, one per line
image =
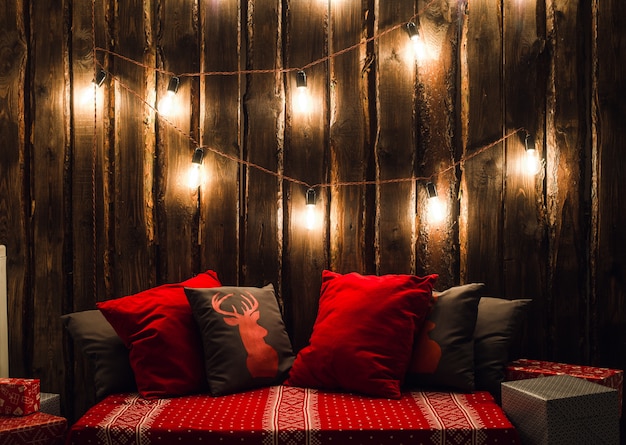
<point x="436" y="210"/>
<point x="435" y="206"/>
<point x="91" y="91"/>
<point x="310" y="216"/>
<point x="166" y="104"/>
<point x="532" y="163"/>
<point x="303" y="103"/>
<point x="419" y="49"/>
<point x="194" y="176"/>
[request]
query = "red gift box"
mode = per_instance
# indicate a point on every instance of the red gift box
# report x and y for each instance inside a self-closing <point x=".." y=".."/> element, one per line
<point x="19" y="397"/>
<point x="35" y="429"/>
<point x="527" y="369"/>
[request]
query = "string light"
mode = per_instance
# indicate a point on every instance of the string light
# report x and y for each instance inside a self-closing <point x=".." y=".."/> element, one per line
<point x="418" y="45"/>
<point x="301" y="82"/>
<point x="194" y="176"/>
<point x="303" y="98"/>
<point x="532" y="162"/>
<point x="88" y="93"/>
<point x="310" y="216"/>
<point x="166" y="104"/>
<point x="436" y="208"/>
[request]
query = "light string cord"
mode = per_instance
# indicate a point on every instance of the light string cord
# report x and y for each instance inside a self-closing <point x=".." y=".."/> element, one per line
<point x="267" y="71"/>
<point x="282" y="176"/>
<point x="250" y="164"/>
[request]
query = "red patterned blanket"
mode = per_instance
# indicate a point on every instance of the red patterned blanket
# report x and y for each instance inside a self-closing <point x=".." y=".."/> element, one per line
<point x="289" y="415"/>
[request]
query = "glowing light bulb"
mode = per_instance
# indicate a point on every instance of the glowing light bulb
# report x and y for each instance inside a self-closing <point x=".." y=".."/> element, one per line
<point x="194" y="176"/>
<point x="166" y="104"/>
<point x="303" y="103"/>
<point x="436" y="207"/>
<point x="419" y="49"/>
<point x="532" y="161"/>
<point x="310" y="216"/>
<point x="90" y="92"/>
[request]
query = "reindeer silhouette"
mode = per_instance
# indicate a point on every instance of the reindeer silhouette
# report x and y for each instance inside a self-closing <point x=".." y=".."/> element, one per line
<point x="262" y="360"/>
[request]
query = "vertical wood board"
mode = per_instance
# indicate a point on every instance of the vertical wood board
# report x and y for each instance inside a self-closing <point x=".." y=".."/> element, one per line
<point x="395" y="140"/>
<point x="349" y="136"/>
<point x="220" y="126"/>
<point x="50" y="210"/>
<point x="483" y="176"/>
<point x="264" y="131"/>
<point x="177" y="201"/>
<point x="305" y="159"/>
<point x="135" y="264"/>
<point x="439" y="26"/>
<point x="13" y="175"/>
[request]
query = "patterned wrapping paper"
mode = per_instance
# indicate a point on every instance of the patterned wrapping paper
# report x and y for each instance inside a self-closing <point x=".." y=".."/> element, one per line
<point x="527" y="369"/>
<point x="19" y="397"/>
<point x="563" y="410"/>
<point x="34" y="429"/>
<point x="50" y="403"/>
<point x="289" y="415"/>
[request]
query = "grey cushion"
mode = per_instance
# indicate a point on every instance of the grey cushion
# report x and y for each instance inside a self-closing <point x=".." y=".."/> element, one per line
<point x="443" y="355"/>
<point x="104" y="350"/>
<point x="497" y="326"/>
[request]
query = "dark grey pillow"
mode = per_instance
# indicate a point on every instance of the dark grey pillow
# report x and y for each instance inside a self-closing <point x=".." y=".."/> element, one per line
<point x="104" y="350"/>
<point x="497" y="327"/>
<point x="443" y="355"/>
<point x="244" y="337"/>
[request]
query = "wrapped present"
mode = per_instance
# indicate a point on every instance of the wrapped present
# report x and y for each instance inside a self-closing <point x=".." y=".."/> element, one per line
<point x="50" y="403"/>
<point x="19" y="397"/>
<point x="34" y="429"/>
<point x="562" y="409"/>
<point x="527" y="369"/>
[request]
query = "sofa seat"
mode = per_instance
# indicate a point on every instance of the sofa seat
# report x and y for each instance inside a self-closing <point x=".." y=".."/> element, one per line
<point x="292" y="415"/>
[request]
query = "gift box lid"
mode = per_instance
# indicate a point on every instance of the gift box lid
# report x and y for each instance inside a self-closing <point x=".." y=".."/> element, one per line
<point x="565" y="394"/>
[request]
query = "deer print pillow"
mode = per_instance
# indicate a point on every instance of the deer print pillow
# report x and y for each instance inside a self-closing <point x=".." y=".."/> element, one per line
<point x="244" y="337"/>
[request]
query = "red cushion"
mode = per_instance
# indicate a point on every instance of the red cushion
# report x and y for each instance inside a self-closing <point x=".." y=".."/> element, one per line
<point x="364" y="331"/>
<point x="158" y="328"/>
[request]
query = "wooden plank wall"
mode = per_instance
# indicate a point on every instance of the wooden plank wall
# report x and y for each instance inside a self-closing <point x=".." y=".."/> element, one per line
<point x="93" y="196"/>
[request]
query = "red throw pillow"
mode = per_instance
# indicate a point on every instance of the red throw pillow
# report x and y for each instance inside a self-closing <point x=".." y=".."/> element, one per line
<point x="165" y="345"/>
<point x="364" y="331"/>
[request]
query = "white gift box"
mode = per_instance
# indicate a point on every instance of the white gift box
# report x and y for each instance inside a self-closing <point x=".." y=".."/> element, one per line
<point x="50" y="404"/>
<point x="562" y="409"/>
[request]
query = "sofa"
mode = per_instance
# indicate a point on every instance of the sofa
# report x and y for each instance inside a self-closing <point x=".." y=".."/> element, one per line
<point x="390" y="360"/>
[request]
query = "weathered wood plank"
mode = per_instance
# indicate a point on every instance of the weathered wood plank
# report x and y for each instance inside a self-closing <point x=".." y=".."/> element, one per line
<point x="264" y="121"/>
<point x="305" y="156"/>
<point x="177" y="201"/>
<point x="567" y="152"/>
<point x="49" y="164"/>
<point x="437" y="88"/>
<point x="220" y="122"/>
<point x="349" y="137"/>
<point x="133" y="203"/>
<point x="608" y="206"/>
<point x="395" y="140"/>
<point x="481" y="115"/>
<point x="14" y="178"/>
<point x="524" y="236"/>
<point x="88" y="110"/>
